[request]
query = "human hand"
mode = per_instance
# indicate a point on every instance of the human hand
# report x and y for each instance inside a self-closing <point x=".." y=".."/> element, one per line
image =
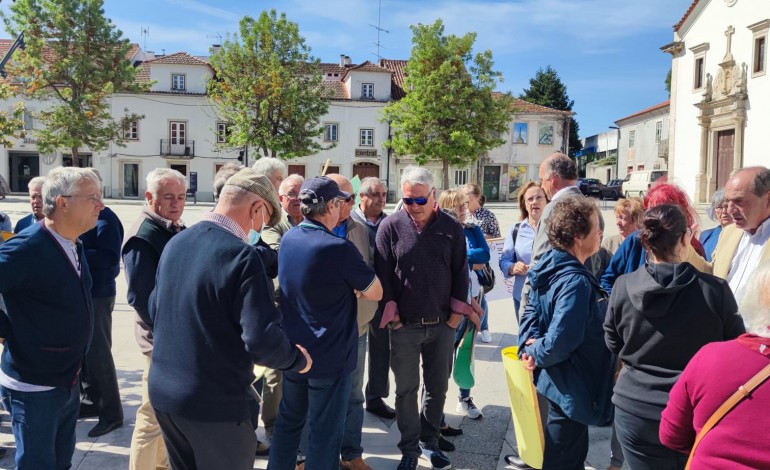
<point x="307" y="358"/>
<point x="528" y="362"/>
<point x="529" y="341"/>
<point x="519" y="269"/>
<point x="454" y="320"/>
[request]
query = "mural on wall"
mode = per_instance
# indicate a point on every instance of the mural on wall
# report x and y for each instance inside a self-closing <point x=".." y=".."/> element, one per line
<point x="520" y="132"/>
<point x="517" y="176"/>
<point x="545" y="133"/>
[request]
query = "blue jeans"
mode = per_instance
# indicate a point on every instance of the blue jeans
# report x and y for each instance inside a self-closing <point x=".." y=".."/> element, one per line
<point x="484" y="321"/>
<point x="43" y="426"/>
<point x="323" y="403"/>
<point x="354" y="420"/>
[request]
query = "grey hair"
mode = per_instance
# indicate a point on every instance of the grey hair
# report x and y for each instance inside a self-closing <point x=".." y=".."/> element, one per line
<point x="716" y="200"/>
<point x="368" y="183"/>
<point x="417" y="175"/>
<point x="293" y="178"/>
<point x="227" y="170"/>
<point x="761" y="184"/>
<point x="62" y="181"/>
<point x="317" y="209"/>
<point x="561" y="166"/>
<point x="36" y="181"/>
<point x="237" y="196"/>
<point x="755" y="302"/>
<point x="158" y="175"/>
<point x="267" y="165"/>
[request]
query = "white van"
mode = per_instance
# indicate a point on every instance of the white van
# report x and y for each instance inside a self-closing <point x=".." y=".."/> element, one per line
<point x="638" y="183"/>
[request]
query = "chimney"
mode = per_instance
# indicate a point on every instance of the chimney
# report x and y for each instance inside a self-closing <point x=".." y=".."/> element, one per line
<point x="214" y="49"/>
<point x="342" y="61"/>
<point x="347" y="60"/>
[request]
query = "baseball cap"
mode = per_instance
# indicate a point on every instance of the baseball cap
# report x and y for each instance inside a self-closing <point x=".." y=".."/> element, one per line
<point x="320" y="189"/>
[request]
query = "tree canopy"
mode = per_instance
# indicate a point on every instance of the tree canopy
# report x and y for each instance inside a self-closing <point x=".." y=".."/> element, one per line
<point x="75" y="59"/>
<point x="450" y="113"/>
<point x="547" y="89"/>
<point x="269" y="89"/>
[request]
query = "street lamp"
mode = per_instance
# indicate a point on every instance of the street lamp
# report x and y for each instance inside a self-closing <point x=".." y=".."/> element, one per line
<point x="617" y="152"/>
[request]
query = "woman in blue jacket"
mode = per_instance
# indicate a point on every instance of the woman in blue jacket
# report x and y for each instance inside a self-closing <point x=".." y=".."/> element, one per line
<point x="561" y="336"/>
<point x="719" y="214"/>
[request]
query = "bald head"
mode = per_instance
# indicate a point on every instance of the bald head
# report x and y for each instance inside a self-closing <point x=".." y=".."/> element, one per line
<point x="345" y="185"/>
<point x="747" y="193"/>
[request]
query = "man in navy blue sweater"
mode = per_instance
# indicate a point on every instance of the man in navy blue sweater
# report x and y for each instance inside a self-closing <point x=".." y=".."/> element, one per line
<point x="47" y="336"/>
<point x="35" y="187"/>
<point x="99" y="379"/>
<point x="213" y="317"/>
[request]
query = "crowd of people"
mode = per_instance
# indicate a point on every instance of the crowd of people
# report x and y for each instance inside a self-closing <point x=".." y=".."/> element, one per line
<point x="303" y="288"/>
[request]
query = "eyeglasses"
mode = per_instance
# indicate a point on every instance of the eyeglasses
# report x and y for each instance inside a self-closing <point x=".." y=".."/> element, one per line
<point x="95" y="200"/>
<point x="291" y="195"/>
<point x="420" y="201"/>
<point x="535" y="198"/>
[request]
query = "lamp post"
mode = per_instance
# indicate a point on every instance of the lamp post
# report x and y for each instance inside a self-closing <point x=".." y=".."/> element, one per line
<point x="617" y="151"/>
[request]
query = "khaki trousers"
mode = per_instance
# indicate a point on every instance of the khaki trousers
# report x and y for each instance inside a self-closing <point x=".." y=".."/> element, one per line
<point x="148" y="452"/>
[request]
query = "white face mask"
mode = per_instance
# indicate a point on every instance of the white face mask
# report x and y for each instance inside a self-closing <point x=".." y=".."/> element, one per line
<point x="254" y="235"/>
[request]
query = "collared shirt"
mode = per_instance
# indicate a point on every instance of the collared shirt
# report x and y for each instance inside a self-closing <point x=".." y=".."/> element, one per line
<point x="163" y="222"/>
<point x="366" y="220"/>
<point x="69" y="248"/>
<point x="746" y="258"/>
<point x="560" y="192"/>
<point x="226" y="223"/>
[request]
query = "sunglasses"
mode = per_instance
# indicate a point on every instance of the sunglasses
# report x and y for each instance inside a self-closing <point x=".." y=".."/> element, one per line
<point x="420" y="201"/>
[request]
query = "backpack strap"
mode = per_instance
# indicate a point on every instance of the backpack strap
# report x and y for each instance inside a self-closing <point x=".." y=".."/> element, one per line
<point x="514" y="235"/>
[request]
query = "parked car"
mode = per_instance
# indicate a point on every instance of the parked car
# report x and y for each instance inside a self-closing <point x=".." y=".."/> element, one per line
<point x="639" y="182"/>
<point x="612" y="190"/>
<point x="590" y="186"/>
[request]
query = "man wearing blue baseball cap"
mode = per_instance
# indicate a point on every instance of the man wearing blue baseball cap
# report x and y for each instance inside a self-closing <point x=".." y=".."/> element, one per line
<point x="320" y="275"/>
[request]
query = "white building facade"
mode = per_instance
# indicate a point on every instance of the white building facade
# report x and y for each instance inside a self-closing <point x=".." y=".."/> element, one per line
<point x="644" y="140"/>
<point x="720" y="93"/>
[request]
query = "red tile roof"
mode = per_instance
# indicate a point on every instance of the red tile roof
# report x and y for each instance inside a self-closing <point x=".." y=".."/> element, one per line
<point x="651" y="108"/>
<point x="365" y="67"/>
<point x="133" y="50"/>
<point x="178" y="58"/>
<point x="337" y="89"/>
<point x="143" y="73"/>
<point x="397" y="80"/>
<point x="686" y="15"/>
<point x="520" y="106"/>
<point x="332" y="69"/>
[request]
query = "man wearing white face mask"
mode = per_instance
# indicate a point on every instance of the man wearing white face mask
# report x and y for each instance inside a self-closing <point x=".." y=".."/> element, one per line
<point x="215" y="329"/>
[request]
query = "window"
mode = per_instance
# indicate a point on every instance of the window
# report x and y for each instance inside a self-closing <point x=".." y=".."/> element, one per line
<point x="331" y="132"/>
<point x="131" y="131"/>
<point x="658" y="131"/>
<point x="759" y="54"/>
<point x="367" y="90"/>
<point x="639" y="167"/>
<point x="177" y="82"/>
<point x="297" y="170"/>
<point x="699" y="74"/>
<point x="366" y="138"/>
<point x="223" y="132"/>
<point x="29" y="122"/>
<point x="461" y="177"/>
<point x="631" y="139"/>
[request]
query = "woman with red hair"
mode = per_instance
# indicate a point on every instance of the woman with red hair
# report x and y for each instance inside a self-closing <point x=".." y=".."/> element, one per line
<point x="631" y="255"/>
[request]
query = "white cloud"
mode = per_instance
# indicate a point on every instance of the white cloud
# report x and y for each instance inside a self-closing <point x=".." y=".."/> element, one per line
<point x="202" y="8"/>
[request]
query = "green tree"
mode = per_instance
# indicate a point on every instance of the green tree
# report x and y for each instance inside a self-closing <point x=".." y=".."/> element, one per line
<point x="547" y="89"/>
<point x="11" y="122"/>
<point x="269" y="88"/>
<point x="75" y="59"/>
<point x="450" y="112"/>
<point x="668" y="83"/>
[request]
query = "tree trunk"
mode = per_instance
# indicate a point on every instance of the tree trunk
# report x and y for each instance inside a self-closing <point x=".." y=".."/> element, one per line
<point x="445" y="164"/>
<point x="75" y="161"/>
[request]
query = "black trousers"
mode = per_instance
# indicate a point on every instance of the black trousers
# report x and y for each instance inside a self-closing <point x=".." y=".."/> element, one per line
<point x="378" y="384"/>
<point x="198" y="445"/>
<point x="641" y="444"/>
<point x="99" y="380"/>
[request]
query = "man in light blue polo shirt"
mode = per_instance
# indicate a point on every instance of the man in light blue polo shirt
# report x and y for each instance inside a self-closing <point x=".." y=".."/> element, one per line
<point x="320" y="275"/>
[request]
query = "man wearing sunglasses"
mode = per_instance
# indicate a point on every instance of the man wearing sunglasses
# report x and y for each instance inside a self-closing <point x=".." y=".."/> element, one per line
<point x="422" y="262"/>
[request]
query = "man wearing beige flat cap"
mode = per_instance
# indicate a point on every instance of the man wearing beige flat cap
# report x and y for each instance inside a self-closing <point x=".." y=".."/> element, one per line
<point x="213" y="318"/>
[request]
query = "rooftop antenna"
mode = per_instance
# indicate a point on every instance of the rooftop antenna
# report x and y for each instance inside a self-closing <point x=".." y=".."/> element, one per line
<point x="379" y="30"/>
<point x="217" y="36"/>
<point x="145" y="34"/>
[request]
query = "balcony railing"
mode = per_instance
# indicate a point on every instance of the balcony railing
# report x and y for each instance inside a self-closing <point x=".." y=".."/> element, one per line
<point x="177" y="148"/>
<point x="663" y="149"/>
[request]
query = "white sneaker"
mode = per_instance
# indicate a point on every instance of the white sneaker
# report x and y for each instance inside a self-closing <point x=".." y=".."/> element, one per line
<point x="485" y="336"/>
<point x="467" y="407"/>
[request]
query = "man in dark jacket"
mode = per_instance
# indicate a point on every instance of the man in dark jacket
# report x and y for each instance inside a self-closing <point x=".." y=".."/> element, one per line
<point x="209" y="335"/>
<point x="160" y="220"/>
<point x="47" y="334"/>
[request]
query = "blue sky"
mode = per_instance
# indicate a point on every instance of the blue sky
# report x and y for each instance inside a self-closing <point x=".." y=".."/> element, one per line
<point x="605" y="51"/>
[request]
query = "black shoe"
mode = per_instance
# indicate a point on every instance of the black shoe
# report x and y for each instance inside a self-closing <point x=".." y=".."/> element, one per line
<point x="262" y="449"/>
<point x="407" y="463"/>
<point x="445" y="445"/>
<point x="449" y="431"/>
<point x="88" y="411"/>
<point x="3" y="451"/>
<point x="438" y="461"/>
<point x="379" y="408"/>
<point x="515" y="462"/>
<point x="104" y="428"/>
